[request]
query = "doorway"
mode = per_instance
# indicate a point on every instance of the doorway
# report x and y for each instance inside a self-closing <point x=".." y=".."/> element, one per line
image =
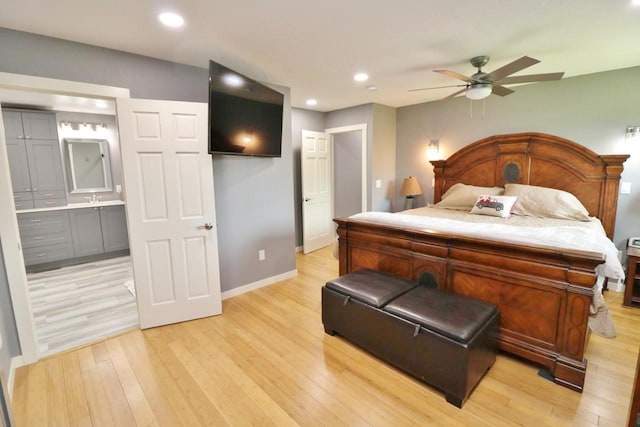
<point x="16" y="273"/>
<point x="321" y="168"/>
<point x="79" y="274"/>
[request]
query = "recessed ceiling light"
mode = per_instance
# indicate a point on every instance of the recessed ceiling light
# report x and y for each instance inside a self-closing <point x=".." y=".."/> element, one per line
<point x="361" y="77"/>
<point x="171" y="19"/>
<point x="312" y="102"/>
<point x="635" y="2"/>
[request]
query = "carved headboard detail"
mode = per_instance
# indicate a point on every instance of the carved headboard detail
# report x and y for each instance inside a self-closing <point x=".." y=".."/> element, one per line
<point x="537" y="159"/>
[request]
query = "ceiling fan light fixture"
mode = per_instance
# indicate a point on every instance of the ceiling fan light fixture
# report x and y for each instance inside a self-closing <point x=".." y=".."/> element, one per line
<point x="478" y="91"/>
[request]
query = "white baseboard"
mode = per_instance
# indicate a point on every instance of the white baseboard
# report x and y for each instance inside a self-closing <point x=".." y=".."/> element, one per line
<point x="259" y="284"/>
<point x="16" y="363"/>
<point x="298" y="248"/>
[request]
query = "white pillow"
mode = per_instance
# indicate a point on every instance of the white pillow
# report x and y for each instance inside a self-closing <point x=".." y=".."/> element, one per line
<point x="546" y="202"/>
<point x="462" y="197"/>
<point x="494" y="205"/>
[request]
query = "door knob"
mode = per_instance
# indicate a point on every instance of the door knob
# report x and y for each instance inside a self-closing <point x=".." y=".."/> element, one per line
<point x="307" y="199"/>
<point x="207" y="226"/>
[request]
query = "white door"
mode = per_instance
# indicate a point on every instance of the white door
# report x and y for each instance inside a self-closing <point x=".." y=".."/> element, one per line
<point x="317" y="198"/>
<point x="170" y="209"/>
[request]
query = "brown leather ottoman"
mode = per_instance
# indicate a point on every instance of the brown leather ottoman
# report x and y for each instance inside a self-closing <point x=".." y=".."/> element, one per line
<point x="446" y="340"/>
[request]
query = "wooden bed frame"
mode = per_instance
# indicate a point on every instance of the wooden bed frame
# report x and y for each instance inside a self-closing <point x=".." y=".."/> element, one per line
<point x="543" y="294"/>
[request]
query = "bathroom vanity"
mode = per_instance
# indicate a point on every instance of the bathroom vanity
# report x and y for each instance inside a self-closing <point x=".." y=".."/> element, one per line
<point x="45" y="177"/>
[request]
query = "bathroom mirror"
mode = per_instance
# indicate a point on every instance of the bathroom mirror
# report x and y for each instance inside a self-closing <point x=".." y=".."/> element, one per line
<point x="88" y="168"/>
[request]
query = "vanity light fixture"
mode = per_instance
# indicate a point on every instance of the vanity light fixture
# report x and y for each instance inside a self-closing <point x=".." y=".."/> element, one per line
<point x="312" y="102"/>
<point x="361" y="77"/>
<point x="83" y="125"/>
<point x="632" y="134"/>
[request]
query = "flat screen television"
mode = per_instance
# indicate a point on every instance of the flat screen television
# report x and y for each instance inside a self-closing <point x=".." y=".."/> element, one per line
<point x="245" y="117"/>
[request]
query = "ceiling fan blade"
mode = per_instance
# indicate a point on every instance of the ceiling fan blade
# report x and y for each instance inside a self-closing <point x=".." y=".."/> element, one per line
<point x="501" y="90"/>
<point x="513" y="67"/>
<point x="455" y="94"/>
<point x="531" y="78"/>
<point x="454" y="75"/>
<point x="438" y="87"/>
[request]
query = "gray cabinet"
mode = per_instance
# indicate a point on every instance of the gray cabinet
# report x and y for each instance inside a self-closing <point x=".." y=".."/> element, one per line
<point x="65" y="236"/>
<point x="34" y="159"/>
<point x="114" y="228"/>
<point x="99" y="230"/>
<point x="45" y="236"/>
<point x="86" y="231"/>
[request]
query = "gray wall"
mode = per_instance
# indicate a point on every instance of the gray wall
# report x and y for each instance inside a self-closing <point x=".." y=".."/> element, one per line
<point x="254" y="196"/>
<point x="383" y="157"/>
<point x="355" y="116"/>
<point x="11" y="346"/>
<point x="347" y="173"/>
<point x="593" y="110"/>
<point x="301" y="119"/>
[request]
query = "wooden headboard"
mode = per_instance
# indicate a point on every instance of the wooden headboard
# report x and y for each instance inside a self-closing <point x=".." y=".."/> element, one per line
<point x="537" y="159"/>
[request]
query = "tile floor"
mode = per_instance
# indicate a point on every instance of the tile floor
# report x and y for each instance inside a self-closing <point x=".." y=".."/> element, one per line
<point x="83" y="303"/>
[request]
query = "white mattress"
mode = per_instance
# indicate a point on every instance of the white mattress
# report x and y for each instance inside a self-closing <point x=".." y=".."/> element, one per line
<point x="539" y="232"/>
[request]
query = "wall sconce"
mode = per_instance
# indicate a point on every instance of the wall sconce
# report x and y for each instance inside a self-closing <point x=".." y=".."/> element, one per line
<point x="633" y="133"/>
<point x="433" y="149"/>
<point x="410" y="189"/>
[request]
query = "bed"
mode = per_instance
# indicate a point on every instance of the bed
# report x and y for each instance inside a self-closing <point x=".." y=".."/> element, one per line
<point x="544" y="291"/>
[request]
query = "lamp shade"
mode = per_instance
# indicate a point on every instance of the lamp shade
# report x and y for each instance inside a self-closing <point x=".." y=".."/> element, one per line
<point x="410" y="187"/>
<point x="478" y="90"/>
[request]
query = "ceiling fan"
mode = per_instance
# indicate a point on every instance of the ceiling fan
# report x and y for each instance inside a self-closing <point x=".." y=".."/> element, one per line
<point x="480" y="85"/>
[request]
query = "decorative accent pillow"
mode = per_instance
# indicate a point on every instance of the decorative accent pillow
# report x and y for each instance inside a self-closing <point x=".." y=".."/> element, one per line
<point x="494" y="205"/>
<point x="546" y="202"/>
<point x="462" y="197"/>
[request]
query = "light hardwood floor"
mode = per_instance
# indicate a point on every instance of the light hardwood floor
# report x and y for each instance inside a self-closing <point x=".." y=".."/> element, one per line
<point x="266" y="361"/>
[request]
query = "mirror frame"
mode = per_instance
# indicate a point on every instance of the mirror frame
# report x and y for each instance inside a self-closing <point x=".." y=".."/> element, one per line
<point x="106" y="165"/>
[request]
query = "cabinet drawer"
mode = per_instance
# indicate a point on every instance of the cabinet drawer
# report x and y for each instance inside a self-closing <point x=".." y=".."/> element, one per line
<point x="43" y="223"/>
<point x="22" y="197"/>
<point x="48" y="195"/>
<point x="24" y="204"/>
<point x="47" y="253"/>
<point x="50" y="203"/>
<point x="33" y="240"/>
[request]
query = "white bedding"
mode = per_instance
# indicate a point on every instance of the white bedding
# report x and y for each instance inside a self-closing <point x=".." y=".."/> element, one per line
<point x="540" y="232"/>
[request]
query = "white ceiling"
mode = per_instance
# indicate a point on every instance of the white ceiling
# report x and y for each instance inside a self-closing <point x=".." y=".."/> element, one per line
<point x="315" y="47"/>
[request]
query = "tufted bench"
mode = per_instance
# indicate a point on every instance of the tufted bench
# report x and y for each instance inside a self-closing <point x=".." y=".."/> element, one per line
<point x="446" y="340"/>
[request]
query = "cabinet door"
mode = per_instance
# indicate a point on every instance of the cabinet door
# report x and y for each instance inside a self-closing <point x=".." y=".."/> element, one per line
<point x="18" y="166"/>
<point x="86" y="231"/>
<point x="114" y="228"/>
<point x="45" y="166"/>
<point x="12" y="124"/>
<point x="39" y="126"/>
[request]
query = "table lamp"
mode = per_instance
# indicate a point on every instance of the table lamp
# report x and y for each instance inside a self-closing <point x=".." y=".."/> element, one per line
<point x="410" y="189"/>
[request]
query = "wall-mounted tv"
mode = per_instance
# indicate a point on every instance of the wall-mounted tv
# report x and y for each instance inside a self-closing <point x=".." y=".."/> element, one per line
<point x="245" y="117"/>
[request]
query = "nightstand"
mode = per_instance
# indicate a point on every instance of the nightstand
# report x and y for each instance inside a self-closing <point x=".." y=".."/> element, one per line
<point x="632" y="285"/>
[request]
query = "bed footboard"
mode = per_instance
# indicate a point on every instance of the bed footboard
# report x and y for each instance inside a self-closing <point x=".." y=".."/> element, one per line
<point x="543" y="294"/>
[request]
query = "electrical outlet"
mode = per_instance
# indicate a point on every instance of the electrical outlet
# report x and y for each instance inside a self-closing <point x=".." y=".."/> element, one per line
<point x="625" y="187"/>
<point x="378" y="183"/>
<point x="261" y="255"/>
<point x="118" y="188"/>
